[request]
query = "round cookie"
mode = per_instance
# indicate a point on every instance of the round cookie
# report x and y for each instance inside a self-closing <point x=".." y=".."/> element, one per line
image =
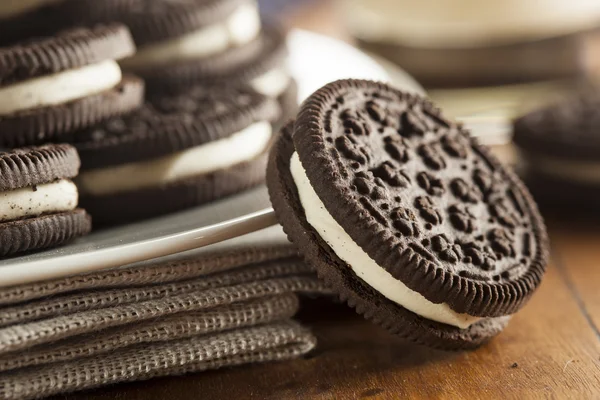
<point x="39" y="202"/>
<point x="176" y="152"/>
<point x="53" y="86"/>
<point x="405" y="216"/>
<point x="560" y="150"/>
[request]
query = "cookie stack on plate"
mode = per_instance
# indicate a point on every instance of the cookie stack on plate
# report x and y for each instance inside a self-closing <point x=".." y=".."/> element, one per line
<point x="50" y="88"/>
<point x="216" y="82"/>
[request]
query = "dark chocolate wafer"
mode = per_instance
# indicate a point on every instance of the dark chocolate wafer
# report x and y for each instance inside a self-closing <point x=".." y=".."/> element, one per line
<point x="43" y="232"/>
<point x="34" y="166"/>
<point x="433" y="209"/>
<point x="23" y="172"/>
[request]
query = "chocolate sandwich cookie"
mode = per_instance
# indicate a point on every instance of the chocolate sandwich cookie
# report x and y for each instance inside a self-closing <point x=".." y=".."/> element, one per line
<point x="406" y="216"/>
<point x="171" y="31"/>
<point x="262" y="64"/>
<point x="560" y="150"/>
<point x="39" y="201"/>
<point x="53" y="86"/>
<point x="174" y="153"/>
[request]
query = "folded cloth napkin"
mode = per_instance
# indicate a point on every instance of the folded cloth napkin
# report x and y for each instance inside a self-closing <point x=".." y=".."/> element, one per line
<point x="223" y="306"/>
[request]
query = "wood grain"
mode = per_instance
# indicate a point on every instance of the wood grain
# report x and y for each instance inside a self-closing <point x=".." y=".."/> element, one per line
<point x="577" y="253"/>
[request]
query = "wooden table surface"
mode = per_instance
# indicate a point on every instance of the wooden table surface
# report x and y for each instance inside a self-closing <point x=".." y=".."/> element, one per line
<point x="551" y="349"/>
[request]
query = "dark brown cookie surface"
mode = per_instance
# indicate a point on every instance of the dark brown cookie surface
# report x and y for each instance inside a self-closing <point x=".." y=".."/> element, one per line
<point x="56" y="123"/>
<point x="43" y="232"/>
<point x="37" y="165"/>
<point x="172" y="123"/>
<point x="566" y="129"/>
<point x="67" y="50"/>
<point x="336" y="273"/>
<point x="422" y="198"/>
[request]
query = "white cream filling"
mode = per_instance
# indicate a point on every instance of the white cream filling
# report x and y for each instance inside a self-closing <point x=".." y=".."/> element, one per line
<point x="47" y="198"/>
<point x="272" y="83"/>
<point x="9" y="8"/>
<point x="364" y="266"/>
<point x="239" y="147"/>
<point x="468" y="23"/>
<point x="571" y="170"/>
<point x="239" y="28"/>
<point x="59" y="88"/>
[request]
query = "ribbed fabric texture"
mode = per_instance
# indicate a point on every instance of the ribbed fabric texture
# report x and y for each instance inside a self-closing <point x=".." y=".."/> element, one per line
<point x="126" y="324"/>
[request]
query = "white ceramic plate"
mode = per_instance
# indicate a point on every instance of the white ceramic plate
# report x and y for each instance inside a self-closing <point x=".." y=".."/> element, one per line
<point x="315" y="60"/>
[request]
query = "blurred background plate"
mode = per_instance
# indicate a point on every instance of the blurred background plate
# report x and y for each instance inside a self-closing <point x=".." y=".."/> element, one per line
<point x="314" y="61"/>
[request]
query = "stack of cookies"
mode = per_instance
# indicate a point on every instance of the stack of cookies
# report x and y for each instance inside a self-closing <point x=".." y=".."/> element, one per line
<point x="170" y="104"/>
<point x="407" y="217"/>
<point x="50" y="88"/>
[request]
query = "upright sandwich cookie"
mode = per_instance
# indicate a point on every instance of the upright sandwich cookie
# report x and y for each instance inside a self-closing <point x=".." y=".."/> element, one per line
<point x="175" y="153"/>
<point x="38" y="207"/>
<point x="560" y="148"/>
<point x="405" y="216"/>
<point x="53" y="86"/>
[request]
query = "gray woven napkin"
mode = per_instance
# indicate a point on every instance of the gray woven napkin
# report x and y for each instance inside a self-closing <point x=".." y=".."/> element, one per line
<point x="222" y="306"/>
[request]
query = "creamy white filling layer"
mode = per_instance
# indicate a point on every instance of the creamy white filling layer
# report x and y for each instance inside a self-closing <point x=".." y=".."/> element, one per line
<point x="468" y="23"/>
<point x="219" y="154"/>
<point x="9" y="8"/>
<point x="59" y="88"/>
<point x="47" y="198"/>
<point x="571" y="170"/>
<point x="361" y="263"/>
<point x="272" y="83"/>
<point x="239" y="28"/>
